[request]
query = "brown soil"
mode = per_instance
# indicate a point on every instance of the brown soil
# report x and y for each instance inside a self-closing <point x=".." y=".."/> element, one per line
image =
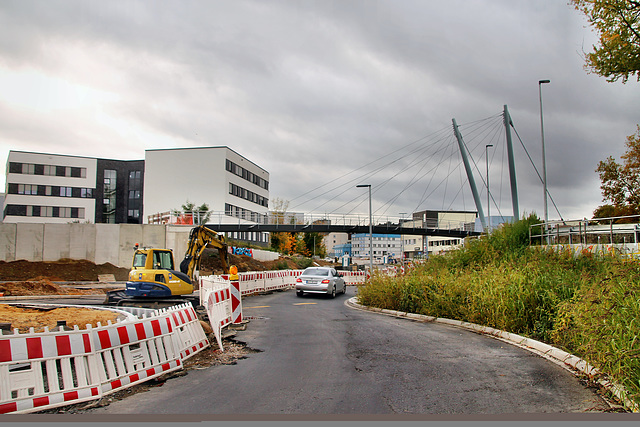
<point x="43" y="286"/>
<point x="24" y="317"/>
<point x="59" y="271"/>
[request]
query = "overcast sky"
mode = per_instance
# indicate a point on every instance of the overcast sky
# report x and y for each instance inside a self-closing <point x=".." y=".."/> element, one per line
<point x="322" y="94"/>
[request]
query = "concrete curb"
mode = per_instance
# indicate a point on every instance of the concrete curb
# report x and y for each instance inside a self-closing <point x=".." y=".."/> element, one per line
<point x="555" y="355"/>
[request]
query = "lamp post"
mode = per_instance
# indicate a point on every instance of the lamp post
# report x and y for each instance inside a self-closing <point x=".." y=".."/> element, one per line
<point x="544" y="165"/>
<point x="486" y="150"/>
<point x="402" y="214"/>
<point x="370" y="229"/>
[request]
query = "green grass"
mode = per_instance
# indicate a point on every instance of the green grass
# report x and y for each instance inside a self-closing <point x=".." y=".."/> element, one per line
<point x="586" y="305"/>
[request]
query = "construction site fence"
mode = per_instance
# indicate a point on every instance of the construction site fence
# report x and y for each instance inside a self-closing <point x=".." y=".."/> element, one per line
<point x="265" y="281"/>
<point x="45" y="370"/>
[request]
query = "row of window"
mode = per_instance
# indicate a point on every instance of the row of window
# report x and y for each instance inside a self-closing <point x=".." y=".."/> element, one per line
<point x="375" y="238"/>
<point x="249" y="236"/>
<point x="238" y="212"/>
<point x="243" y="193"/>
<point x="47" y="170"/>
<point x="45" y="211"/>
<point x="245" y="174"/>
<point x="50" y="190"/>
<point x="445" y="242"/>
<point x="375" y="245"/>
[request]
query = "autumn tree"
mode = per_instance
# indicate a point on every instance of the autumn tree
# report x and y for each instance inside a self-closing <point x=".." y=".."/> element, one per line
<point x="620" y="183"/>
<point x="617" y="23"/>
<point x="314" y="245"/>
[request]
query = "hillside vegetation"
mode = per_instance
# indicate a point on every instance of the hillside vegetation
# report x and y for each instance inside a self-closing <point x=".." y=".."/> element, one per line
<point x="586" y="305"/>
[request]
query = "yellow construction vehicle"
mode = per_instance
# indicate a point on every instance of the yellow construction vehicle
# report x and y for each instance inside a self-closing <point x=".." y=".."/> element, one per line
<point x="153" y="275"/>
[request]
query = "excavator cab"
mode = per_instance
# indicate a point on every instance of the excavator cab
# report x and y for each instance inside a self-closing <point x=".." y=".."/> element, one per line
<point x="153" y="275"/>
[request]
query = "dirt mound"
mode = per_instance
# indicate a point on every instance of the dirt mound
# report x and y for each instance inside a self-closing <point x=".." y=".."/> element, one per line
<point x="42" y="286"/>
<point x="25" y="317"/>
<point x="59" y="271"/>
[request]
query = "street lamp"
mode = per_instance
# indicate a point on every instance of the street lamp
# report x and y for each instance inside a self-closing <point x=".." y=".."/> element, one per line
<point x="370" y="229"/>
<point x="486" y="151"/>
<point x="402" y="214"/>
<point x="544" y="165"/>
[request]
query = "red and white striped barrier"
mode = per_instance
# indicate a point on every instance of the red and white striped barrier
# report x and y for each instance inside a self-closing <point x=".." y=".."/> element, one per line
<point x="189" y="335"/>
<point x="354" y="277"/>
<point x="46" y="370"/>
<point x="216" y="297"/>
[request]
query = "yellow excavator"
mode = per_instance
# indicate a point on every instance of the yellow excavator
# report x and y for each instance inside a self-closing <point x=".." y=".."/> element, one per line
<point x="153" y="279"/>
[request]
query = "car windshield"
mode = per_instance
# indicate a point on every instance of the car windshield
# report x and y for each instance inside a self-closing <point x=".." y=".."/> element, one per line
<point x="316" y="272"/>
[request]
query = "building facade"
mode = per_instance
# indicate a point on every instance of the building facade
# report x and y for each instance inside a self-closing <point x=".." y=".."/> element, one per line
<point x="57" y="188"/>
<point x="234" y="188"/>
<point x="384" y="245"/>
<point x="335" y="244"/>
<point x="433" y="245"/>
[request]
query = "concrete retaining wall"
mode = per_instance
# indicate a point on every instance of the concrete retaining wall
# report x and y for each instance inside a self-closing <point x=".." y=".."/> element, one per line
<point x="99" y="243"/>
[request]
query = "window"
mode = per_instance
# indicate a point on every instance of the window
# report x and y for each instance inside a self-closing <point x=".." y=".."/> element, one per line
<point x="86" y="193"/>
<point x="139" y="259"/>
<point x="162" y="260"/>
<point x="28" y="168"/>
<point x="109" y="199"/>
<point x="27" y="189"/>
<point x="65" y="192"/>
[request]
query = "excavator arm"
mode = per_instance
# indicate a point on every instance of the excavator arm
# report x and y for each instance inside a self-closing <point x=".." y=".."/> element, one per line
<point x="199" y="238"/>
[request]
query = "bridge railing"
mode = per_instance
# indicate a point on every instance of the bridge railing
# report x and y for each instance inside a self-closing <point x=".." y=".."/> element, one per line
<point x="596" y="231"/>
<point x="245" y="217"/>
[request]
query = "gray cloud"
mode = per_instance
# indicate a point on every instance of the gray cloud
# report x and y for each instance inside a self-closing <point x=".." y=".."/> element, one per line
<point x="312" y="90"/>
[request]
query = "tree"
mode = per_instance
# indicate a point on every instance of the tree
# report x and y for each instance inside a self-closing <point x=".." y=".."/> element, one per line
<point x="620" y="183"/>
<point x="190" y="214"/>
<point x="618" y="24"/>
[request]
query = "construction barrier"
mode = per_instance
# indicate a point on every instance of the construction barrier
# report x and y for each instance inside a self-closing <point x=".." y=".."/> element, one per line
<point x="49" y="369"/>
<point x="189" y="335"/>
<point x="354" y="277"/>
<point x="215" y="296"/>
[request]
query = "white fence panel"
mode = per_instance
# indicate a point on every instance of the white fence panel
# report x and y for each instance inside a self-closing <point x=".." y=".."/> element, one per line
<point x="216" y="298"/>
<point x="188" y="333"/>
<point x="49" y="369"/>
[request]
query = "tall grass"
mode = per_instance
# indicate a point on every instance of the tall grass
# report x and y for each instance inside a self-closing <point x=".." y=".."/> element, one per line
<point x="587" y="305"/>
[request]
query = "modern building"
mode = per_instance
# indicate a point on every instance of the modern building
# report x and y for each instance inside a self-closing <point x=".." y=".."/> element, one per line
<point x="335" y="244"/>
<point x="234" y="188"/>
<point x="454" y="220"/>
<point x="57" y="188"/>
<point x="384" y="245"/>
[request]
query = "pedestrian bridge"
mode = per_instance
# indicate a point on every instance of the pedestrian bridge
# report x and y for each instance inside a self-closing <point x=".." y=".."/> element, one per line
<point x="346" y="225"/>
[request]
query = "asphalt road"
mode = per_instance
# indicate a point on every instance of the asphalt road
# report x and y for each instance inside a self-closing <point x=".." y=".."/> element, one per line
<point x="318" y="356"/>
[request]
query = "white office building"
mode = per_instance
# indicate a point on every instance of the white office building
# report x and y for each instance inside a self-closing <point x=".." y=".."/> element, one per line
<point x="234" y="188"/>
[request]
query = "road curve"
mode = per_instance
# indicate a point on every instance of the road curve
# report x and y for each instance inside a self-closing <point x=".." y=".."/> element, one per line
<point x="318" y="356"/>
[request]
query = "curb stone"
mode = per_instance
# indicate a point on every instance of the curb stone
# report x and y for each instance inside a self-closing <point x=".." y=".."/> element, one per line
<point x="562" y="358"/>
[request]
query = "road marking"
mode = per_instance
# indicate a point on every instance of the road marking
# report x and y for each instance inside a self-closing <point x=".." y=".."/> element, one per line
<point x="260" y="306"/>
<point x="305" y="303"/>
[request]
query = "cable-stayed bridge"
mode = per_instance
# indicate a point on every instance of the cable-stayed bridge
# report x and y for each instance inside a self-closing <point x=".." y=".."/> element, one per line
<point x="424" y="172"/>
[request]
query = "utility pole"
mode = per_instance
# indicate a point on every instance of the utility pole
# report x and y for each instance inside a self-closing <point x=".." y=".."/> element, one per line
<point x="544" y="165"/>
<point x="486" y="149"/>
<point x="370" y="229"/>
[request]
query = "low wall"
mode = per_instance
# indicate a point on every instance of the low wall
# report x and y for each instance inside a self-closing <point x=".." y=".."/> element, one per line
<point x="99" y="243"/>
